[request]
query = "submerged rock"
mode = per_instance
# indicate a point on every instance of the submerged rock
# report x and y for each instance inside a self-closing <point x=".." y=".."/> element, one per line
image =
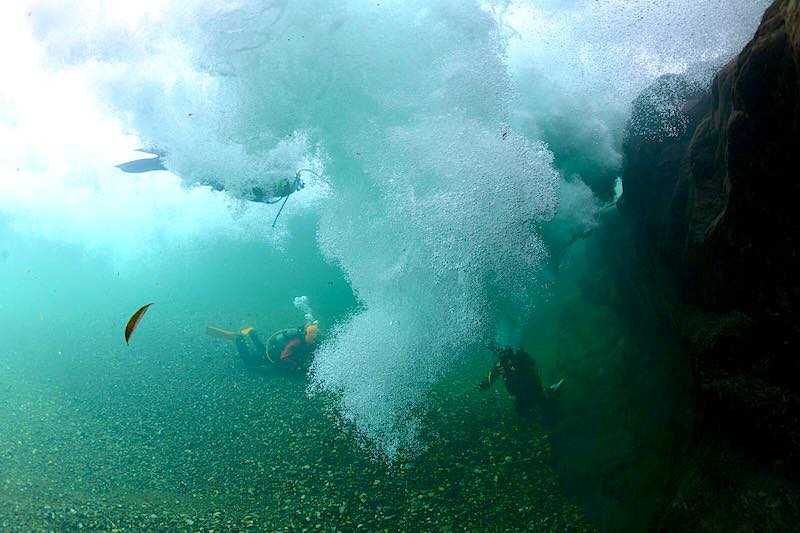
<point x="743" y="228"/>
<point x="713" y="200"/>
<point x="665" y="117"/>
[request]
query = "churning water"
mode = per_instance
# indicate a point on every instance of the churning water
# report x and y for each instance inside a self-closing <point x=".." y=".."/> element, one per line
<point x="458" y="152"/>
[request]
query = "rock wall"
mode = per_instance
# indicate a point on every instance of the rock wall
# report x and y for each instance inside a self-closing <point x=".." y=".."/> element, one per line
<point x="712" y="187"/>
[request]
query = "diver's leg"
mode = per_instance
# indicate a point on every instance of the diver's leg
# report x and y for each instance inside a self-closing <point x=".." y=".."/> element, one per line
<point x="241" y="348"/>
<point x="244" y="353"/>
<point x="260" y="349"/>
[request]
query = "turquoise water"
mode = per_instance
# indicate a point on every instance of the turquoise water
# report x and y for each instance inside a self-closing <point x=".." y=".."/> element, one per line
<point x="465" y="159"/>
<point x="172" y="432"/>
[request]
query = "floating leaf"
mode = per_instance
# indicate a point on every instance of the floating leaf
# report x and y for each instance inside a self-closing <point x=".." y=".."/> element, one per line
<point x="134" y="321"/>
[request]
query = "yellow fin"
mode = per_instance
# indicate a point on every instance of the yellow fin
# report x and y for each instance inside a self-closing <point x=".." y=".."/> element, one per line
<point x="221" y="333"/>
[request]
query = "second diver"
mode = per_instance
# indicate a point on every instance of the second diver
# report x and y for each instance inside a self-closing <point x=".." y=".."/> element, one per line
<point x="290" y="348"/>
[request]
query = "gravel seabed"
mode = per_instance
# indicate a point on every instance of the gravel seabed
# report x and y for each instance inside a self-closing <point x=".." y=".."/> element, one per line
<point x="201" y="444"/>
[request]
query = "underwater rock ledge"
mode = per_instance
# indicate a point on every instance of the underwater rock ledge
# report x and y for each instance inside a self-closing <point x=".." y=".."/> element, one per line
<point x="712" y="190"/>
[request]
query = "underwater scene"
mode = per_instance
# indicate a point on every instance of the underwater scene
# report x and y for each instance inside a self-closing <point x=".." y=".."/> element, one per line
<point x="418" y="265"/>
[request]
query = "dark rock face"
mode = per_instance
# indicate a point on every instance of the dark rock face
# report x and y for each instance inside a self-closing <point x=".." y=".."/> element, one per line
<point x="743" y="233"/>
<point x="712" y="186"/>
<point x="656" y="172"/>
<point x="743" y="223"/>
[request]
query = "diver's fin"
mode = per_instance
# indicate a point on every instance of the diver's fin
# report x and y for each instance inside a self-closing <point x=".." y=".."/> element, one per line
<point x="222" y="333"/>
<point x="139" y="166"/>
<point x="145" y="165"/>
<point x="556" y="386"/>
<point x="247" y="330"/>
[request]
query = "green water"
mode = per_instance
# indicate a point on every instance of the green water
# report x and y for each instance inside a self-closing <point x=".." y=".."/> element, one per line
<point x="173" y="432"/>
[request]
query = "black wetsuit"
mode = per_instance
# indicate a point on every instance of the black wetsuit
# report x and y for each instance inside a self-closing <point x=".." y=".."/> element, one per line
<point x="271" y="194"/>
<point x="524" y="384"/>
<point x="292" y="339"/>
<point x="255" y="357"/>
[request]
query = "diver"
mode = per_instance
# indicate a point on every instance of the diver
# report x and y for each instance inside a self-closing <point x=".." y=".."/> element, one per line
<point x="290" y="348"/>
<point x="274" y="193"/>
<point x="523" y="382"/>
<point x="281" y="189"/>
